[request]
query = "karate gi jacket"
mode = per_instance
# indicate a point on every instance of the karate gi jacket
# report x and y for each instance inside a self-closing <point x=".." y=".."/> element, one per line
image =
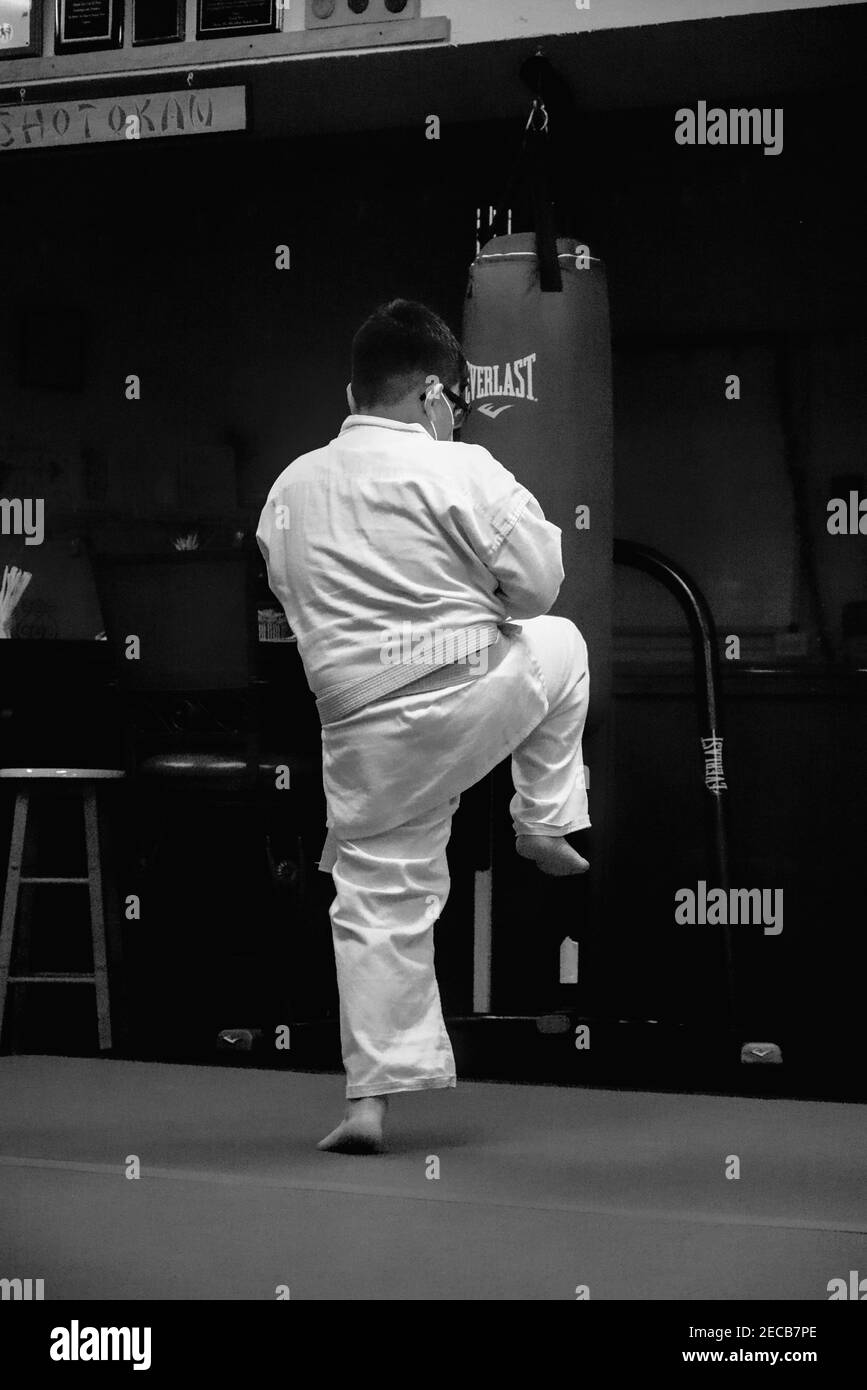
<point x="386" y="527"/>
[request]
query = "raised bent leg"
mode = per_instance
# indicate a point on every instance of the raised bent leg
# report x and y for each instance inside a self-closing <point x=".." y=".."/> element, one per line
<point x="548" y="767"/>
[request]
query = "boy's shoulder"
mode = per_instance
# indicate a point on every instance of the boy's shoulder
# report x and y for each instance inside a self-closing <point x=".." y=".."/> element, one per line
<point x="470" y="459"/>
<point x="299" y="468"/>
<point x="470" y="464"/>
<point x="484" y="475"/>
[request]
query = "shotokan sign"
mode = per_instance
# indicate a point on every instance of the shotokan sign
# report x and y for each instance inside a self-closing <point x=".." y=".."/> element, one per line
<point x="84" y="120"/>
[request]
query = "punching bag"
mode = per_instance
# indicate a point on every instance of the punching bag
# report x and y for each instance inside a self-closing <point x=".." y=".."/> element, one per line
<point x="540" y="380"/>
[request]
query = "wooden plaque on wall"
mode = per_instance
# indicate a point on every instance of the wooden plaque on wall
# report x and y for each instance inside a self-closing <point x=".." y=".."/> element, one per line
<point x="20" y="29"/>
<point x="116" y="119"/>
<point x="220" y="18"/>
<point x="157" y="21"/>
<point x="88" y="25"/>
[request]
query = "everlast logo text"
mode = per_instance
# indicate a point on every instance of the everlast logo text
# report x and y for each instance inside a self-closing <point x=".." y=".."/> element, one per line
<point x="514" y="379"/>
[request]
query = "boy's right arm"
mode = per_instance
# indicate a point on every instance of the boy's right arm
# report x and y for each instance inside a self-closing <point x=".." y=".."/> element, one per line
<point x="528" y="565"/>
<point x="511" y="537"/>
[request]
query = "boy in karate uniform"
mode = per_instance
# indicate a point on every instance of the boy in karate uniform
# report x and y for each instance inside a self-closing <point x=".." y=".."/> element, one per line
<point x="415" y="572"/>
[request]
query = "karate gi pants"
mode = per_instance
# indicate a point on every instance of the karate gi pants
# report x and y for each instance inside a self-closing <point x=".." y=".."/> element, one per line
<point x="392" y="887"/>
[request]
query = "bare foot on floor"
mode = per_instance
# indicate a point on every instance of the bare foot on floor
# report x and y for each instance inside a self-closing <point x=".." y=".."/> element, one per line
<point x="552" y="854"/>
<point x="361" y="1129"/>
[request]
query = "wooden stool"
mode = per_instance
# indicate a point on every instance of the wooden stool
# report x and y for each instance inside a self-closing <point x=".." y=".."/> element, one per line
<point x="87" y="780"/>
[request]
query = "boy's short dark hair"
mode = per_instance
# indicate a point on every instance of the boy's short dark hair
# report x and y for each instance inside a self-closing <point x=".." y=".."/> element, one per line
<point x="399" y="341"/>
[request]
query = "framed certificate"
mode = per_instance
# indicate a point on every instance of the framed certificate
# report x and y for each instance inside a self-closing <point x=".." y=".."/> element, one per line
<point x="84" y="25"/>
<point x="157" y="21"/>
<point x="219" y="18"/>
<point x="20" y="28"/>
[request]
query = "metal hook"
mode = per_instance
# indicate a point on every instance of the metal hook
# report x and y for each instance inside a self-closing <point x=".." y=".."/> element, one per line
<point x="538" y="104"/>
<point x="22" y="92"/>
<point x="190" y="78"/>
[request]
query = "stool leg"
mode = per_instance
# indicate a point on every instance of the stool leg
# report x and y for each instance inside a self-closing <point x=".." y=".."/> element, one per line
<point x="10" y="901"/>
<point x="16" y="1004"/>
<point x="107" y="816"/>
<point x="17" y="999"/>
<point x="97" y="919"/>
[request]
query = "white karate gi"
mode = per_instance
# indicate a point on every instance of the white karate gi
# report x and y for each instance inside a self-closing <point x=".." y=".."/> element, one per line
<point x="384" y="527"/>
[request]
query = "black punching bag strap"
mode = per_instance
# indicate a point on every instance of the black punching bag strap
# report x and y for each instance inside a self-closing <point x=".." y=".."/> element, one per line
<point x="550" y="279"/>
<point x="532" y="162"/>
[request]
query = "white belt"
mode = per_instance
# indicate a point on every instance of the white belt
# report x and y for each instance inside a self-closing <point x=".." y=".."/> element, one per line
<point x="441" y="670"/>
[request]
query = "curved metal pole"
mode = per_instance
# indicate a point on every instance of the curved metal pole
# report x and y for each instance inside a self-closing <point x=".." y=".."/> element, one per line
<point x="706" y="658"/>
